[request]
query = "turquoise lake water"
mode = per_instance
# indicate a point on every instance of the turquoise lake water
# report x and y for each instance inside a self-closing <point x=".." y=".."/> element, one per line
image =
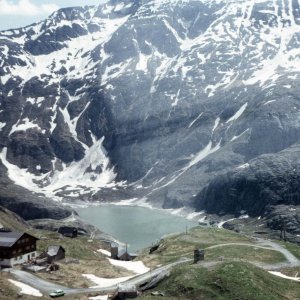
<point x="137" y="226"/>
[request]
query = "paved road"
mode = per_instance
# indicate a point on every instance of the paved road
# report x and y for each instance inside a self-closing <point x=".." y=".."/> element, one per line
<point x="47" y="287"/>
<point x="292" y="261"/>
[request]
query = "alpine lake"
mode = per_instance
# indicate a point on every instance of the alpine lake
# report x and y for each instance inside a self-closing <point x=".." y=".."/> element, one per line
<point x="138" y="227"/>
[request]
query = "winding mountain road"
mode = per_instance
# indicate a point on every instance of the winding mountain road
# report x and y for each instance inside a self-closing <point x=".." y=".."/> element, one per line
<point x="47" y="287"/>
<point x="292" y="261"/>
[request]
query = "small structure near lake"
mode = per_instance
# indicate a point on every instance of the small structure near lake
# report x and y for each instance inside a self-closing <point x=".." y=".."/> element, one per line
<point x="53" y="253"/>
<point x="198" y="255"/>
<point x="126" y="291"/>
<point x="116" y="252"/>
<point x="68" y="231"/>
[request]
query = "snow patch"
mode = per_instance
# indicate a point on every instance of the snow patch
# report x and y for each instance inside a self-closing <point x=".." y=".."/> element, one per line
<point x="270" y="101"/>
<point x="2" y="125"/>
<point x="19" y="176"/>
<point x="209" y="149"/>
<point x="105" y="282"/>
<point x="220" y="224"/>
<point x="103" y="251"/>
<point x="238" y="113"/>
<point x="23" y="125"/>
<point x="217" y="122"/>
<point x="105" y="297"/>
<point x="93" y="172"/>
<point x="26" y="289"/>
<point x="142" y="64"/>
<point x="279" y="274"/>
<point x="244" y="166"/>
<point x="238" y="136"/>
<point x="194" y="215"/>
<point x="194" y="121"/>
<point x="136" y="267"/>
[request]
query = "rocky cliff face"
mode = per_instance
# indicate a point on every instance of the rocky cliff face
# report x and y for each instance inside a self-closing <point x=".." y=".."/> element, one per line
<point x="179" y="103"/>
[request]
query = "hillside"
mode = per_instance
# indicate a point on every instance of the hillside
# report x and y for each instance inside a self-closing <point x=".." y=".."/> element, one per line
<point x="81" y="258"/>
<point x="177" y="103"/>
<point x="235" y="265"/>
<point x="225" y="281"/>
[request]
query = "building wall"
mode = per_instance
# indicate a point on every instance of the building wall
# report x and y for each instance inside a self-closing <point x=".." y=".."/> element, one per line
<point x="26" y="244"/>
<point x="60" y="255"/>
<point x="114" y="252"/>
<point x="23" y="258"/>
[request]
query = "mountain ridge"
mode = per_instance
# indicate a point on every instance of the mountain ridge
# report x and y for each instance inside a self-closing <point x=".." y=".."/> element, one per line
<point x="169" y="95"/>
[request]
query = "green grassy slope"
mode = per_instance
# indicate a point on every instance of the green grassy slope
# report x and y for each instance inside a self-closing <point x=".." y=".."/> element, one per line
<point x="234" y="280"/>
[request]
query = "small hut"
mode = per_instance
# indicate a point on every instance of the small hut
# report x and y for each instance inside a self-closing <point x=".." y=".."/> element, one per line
<point x="53" y="253"/>
<point x="114" y="249"/>
<point x="119" y="253"/>
<point x="198" y="255"/>
<point x="127" y="291"/>
<point x="67" y="231"/>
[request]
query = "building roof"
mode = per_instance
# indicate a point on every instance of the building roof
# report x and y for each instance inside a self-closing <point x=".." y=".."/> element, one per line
<point x="67" y="229"/>
<point x="125" y="288"/>
<point x="53" y="250"/>
<point x="122" y="251"/>
<point x="8" y="239"/>
<point x="114" y="245"/>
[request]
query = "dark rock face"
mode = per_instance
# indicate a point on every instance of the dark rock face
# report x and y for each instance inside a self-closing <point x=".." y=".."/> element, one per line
<point x="282" y="217"/>
<point x="264" y="181"/>
<point x="27" y="205"/>
<point x="167" y="101"/>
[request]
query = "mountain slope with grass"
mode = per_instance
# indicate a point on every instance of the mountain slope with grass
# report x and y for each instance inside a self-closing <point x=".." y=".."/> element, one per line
<point x="171" y="102"/>
<point x="234" y="267"/>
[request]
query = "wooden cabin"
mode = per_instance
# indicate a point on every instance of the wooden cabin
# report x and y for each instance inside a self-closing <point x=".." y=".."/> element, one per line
<point x="198" y="255"/>
<point x="67" y="231"/>
<point x="116" y="252"/>
<point x="126" y="291"/>
<point x="53" y="254"/>
<point x="16" y="248"/>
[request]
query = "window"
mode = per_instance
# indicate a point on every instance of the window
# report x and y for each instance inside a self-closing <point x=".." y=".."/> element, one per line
<point x="33" y="255"/>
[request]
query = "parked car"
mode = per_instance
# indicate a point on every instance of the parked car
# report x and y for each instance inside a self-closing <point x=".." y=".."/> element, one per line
<point x="57" y="293"/>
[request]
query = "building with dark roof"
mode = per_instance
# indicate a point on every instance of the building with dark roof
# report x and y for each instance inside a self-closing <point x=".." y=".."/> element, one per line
<point x="16" y="248"/>
<point x="121" y="253"/>
<point x="54" y="253"/>
<point x="68" y="231"/>
<point x="126" y="291"/>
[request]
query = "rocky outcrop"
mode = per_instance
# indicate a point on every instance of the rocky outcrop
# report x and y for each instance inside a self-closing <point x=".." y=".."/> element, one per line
<point x="28" y="205"/>
<point x="283" y="217"/>
<point x="268" y="180"/>
<point x="178" y="103"/>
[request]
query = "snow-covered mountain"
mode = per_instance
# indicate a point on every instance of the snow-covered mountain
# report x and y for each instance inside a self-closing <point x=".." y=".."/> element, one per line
<point x="156" y="100"/>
